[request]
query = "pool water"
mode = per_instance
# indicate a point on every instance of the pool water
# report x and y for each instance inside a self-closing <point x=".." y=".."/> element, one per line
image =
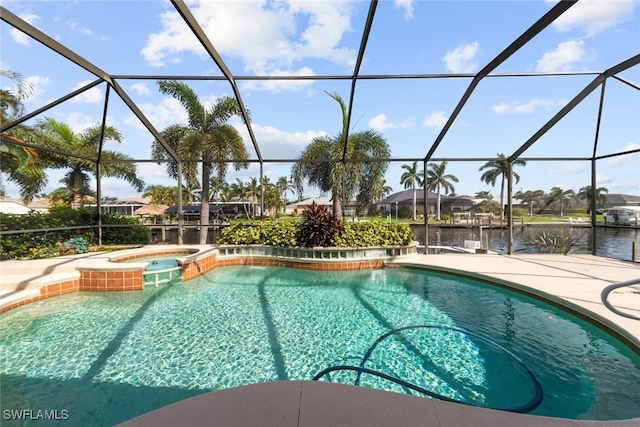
<point x="109" y="357"/>
<point x="157" y="262"/>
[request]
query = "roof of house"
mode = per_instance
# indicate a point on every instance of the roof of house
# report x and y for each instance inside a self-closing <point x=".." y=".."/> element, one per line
<point x="623" y="199"/>
<point x="319" y="201"/>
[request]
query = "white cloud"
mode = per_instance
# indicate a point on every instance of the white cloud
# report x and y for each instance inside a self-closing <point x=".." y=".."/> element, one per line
<point x="90" y="96"/>
<point x="574" y="167"/>
<point x="380" y="123"/>
<point x="161" y="115"/>
<point x="275" y="143"/>
<point x="462" y="59"/>
<point x="82" y="30"/>
<point x="529" y="107"/>
<point x="407" y="5"/>
<point x="276" y="86"/>
<point x="564" y="57"/>
<point x="78" y="122"/>
<point x="266" y="38"/>
<point x="149" y="170"/>
<point x="140" y="89"/>
<point x="616" y="185"/>
<point x="39" y="85"/>
<point x="436" y="119"/>
<point x="595" y="16"/>
<point x="20" y="37"/>
<point x="627" y="158"/>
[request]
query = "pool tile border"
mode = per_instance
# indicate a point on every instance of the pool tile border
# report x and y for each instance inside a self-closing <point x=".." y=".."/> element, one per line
<point x="114" y="276"/>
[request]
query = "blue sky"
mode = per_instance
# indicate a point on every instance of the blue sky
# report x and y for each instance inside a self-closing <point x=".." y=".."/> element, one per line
<point x="294" y="37"/>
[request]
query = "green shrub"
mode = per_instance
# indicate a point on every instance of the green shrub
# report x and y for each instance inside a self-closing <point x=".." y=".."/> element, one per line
<point x="122" y="235"/>
<point x="45" y="244"/>
<point x="285" y="233"/>
<point x="520" y="212"/>
<point x="79" y="245"/>
<point x="405" y="212"/>
<point x="271" y="233"/>
<point x="373" y="233"/>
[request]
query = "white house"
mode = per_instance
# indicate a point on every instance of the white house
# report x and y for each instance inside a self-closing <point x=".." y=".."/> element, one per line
<point x="18" y="207"/>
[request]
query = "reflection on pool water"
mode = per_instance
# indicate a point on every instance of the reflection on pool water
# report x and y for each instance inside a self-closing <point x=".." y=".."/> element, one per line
<point x="109" y="357"/>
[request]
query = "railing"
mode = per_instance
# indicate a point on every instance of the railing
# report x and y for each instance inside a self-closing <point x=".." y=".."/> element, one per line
<point x="605" y="297"/>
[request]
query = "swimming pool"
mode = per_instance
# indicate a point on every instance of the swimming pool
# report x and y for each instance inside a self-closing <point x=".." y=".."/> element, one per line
<point x="109" y="357"/>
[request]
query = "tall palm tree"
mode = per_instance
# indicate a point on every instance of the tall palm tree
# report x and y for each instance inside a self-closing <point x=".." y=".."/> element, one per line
<point x="11" y="100"/>
<point x="161" y="194"/>
<point x="384" y="190"/>
<point x="240" y="190"/>
<point x="344" y="179"/>
<point x="225" y="192"/>
<point x="530" y="198"/>
<point x="585" y="193"/>
<point x="562" y="198"/>
<point x="499" y="168"/>
<point x="437" y="179"/>
<point x="60" y="137"/>
<point x="19" y="163"/>
<point x="284" y="185"/>
<point x="208" y="137"/>
<point x="410" y="179"/>
<point x="254" y="192"/>
<point x="216" y="186"/>
<point x="191" y="192"/>
<point x="272" y="201"/>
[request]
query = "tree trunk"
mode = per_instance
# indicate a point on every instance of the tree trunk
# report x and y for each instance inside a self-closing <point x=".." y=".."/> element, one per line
<point x="438" y="205"/>
<point x="204" y="207"/>
<point x="502" y="201"/>
<point x="414" y="201"/>
<point x="337" y="205"/>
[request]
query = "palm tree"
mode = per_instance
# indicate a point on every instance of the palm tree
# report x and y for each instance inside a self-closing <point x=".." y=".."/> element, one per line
<point x="483" y="195"/>
<point x="529" y="197"/>
<point x="438" y="179"/>
<point x="344" y="179"/>
<point x="272" y="201"/>
<point x="241" y="191"/>
<point x="88" y="144"/>
<point x="216" y="185"/>
<point x="208" y="137"/>
<point x="384" y="191"/>
<point x="162" y="194"/>
<point x="586" y="193"/>
<point x="284" y="185"/>
<point x="499" y="168"/>
<point x="225" y="192"/>
<point x="562" y="197"/>
<point x="11" y="101"/>
<point x="410" y="179"/>
<point x="254" y="191"/>
<point x="19" y="163"/>
<point x="191" y="192"/>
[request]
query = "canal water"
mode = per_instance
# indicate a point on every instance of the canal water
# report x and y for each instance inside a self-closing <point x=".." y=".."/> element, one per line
<point x="614" y="242"/>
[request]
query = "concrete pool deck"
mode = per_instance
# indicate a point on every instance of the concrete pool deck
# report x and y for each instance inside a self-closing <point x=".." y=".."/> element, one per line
<point x="574" y="281"/>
